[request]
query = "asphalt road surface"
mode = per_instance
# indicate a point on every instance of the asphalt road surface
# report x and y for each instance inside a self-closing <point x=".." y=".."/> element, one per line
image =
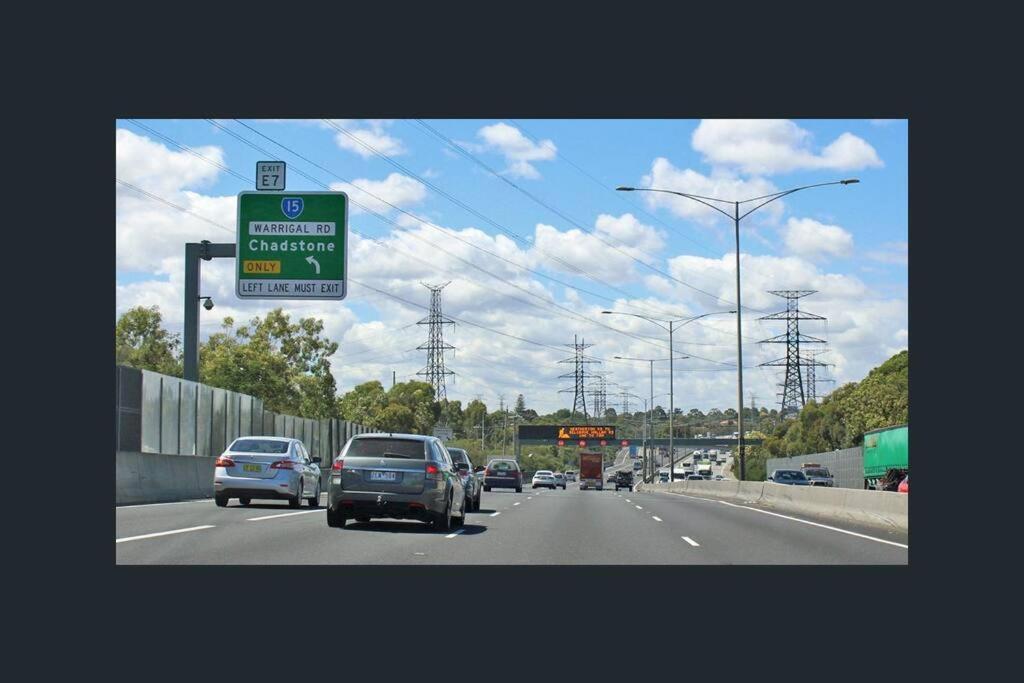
<point x="533" y="527"/>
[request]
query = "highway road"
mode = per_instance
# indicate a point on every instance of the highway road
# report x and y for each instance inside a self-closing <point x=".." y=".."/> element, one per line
<point x="533" y="527"/>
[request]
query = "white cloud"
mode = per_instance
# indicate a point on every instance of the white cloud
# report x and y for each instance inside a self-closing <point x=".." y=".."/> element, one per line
<point x="591" y="253"/>
<point x="397" y="189"/>
<point x="891" y="252"/>
<point x="811" y="239"/>
<point x="371" y="132"/>
<point x="517" y="149"/>
<point x="665" y="176"/>
<point x="152" y="166"/>
<point x="766" y="146"/>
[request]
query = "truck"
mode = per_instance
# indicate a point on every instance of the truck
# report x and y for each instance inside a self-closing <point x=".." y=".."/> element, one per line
<point x="886" y="457"/>
<point x="704" y="468"/>
<point x="591" y="470"/>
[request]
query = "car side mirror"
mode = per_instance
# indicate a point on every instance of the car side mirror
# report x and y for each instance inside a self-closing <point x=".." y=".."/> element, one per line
<point x="316" y="459"/>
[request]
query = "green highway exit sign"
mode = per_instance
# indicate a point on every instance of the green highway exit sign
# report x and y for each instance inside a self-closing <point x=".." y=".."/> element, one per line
<point x="292" y="245"/>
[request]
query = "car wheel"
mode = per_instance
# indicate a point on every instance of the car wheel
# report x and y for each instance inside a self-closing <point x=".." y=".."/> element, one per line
<point x="476" y="506"/>
<point x="297" y="500"/>
<point x="244" y="501"/>
<point x="221" y="501"/>
<point x="487" y="488"/>
<point x="462" y="518"/>
<point x="519" y="489"/>
<point x="444" y="522"/>
<point x="314" y="502"/>
<point x="334" y="519"/>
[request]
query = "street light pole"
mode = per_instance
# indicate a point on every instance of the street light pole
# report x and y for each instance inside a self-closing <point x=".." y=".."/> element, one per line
<point x="736" y="216"/>
<point x="650" y="424"/>
<point x="739" y="353"/>
<point x="671" y="407"/>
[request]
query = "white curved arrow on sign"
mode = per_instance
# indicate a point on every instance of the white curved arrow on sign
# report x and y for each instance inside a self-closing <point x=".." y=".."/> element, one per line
<point x="314" y="263"/>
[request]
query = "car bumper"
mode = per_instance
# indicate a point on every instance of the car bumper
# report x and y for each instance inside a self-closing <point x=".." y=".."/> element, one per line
<point x="503" y="483"/>
<point x="423" y="506"/>
<point x="280" y="486"/>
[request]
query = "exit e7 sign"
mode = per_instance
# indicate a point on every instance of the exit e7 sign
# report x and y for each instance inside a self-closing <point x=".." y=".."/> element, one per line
<point x="292" y="245"/>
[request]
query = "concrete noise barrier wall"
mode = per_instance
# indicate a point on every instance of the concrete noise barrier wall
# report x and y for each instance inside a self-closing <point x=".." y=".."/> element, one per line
<point x="883" y="509"/>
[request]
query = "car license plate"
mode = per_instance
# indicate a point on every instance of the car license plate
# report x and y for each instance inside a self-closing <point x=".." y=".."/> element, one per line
<point x="252" y="468"/>
<point x="383" y="476"/>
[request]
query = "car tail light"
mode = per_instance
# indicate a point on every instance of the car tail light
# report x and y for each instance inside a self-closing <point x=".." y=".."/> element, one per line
<point x="338" y="465"/>
<point x="283" y="465"/>
<point x="432" y="469"/>
<point x="224" y="461"/>
<point x="488" y="473"/>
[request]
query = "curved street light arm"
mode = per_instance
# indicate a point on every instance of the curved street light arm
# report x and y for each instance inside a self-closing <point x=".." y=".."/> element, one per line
<point x="779" y="195"/>
<point x="695" y="198"/>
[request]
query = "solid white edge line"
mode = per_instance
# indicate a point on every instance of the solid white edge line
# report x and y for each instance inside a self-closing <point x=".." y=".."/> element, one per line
<point x="823" y="526"/>
<point x="285" y="514"/>
<point x="453" y="535"/>
<point x="656" y="519"/>
<point x="690" y="541"/>
<point x="162" y="533"/>
<point x="495" y="514"/>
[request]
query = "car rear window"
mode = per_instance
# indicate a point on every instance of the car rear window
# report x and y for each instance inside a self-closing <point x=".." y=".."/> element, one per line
<point x="816" y="472"/>
<point x="259" y="446"/>
<point x="502" y="465"/>
<point x="459" y="455"/>
<point x="386" y="448"/>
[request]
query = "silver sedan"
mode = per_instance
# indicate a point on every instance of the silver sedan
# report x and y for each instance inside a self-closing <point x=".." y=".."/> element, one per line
<point x="266" y="467"/>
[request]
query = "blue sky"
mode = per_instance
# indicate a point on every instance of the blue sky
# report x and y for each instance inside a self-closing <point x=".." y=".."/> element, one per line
<point x="850" y="243"/>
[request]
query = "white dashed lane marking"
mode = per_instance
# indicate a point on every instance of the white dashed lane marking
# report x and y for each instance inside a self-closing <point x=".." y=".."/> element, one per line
<point x="163" y="533"/>
<point x="691" y="541"/>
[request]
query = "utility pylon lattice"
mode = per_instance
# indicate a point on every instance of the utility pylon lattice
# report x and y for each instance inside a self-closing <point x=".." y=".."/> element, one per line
<point x="625" y="399"/>
<point x="794" y="394"/>
<point x="435" y="345"/>
<point x="812" y="380"/>
<point x="599" y="394"/>
<point x="579" y="361"/>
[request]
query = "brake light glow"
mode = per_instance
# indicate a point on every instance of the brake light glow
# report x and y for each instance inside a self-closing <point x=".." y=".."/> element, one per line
<point x="283" y="465"/>
<point x="224" y="461"/>
<point x="338" y="465"/>
<point x="432" y="469"/>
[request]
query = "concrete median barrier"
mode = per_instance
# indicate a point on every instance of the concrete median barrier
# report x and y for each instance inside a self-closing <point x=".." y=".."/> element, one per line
<point x="160" y="478"/>
<point x="883" y="509"/>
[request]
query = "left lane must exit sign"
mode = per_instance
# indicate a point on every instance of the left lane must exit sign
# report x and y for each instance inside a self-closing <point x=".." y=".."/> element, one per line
<point x="292" y="245"/>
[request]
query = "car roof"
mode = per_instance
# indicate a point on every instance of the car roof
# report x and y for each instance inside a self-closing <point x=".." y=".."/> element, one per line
<point x="395" y="435"/>
<point x="266" y="438"/>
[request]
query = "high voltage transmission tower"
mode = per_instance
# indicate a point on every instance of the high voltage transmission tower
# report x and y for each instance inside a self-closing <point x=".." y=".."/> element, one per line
<point x="812" y="379"/>
<point x="579" y="361"/>
<point x="435" y="345"/>
<point x="598" y="393"/>
<point x="625" y="399"/>
<point x="794" y="392"/>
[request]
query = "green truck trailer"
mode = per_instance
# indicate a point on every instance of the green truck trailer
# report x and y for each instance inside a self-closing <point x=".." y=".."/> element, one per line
<point x="886" y="453"/>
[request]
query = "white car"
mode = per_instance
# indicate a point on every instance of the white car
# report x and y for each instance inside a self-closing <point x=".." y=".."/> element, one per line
<point x="545" y="478"/>
<point x="570" y="476"/>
